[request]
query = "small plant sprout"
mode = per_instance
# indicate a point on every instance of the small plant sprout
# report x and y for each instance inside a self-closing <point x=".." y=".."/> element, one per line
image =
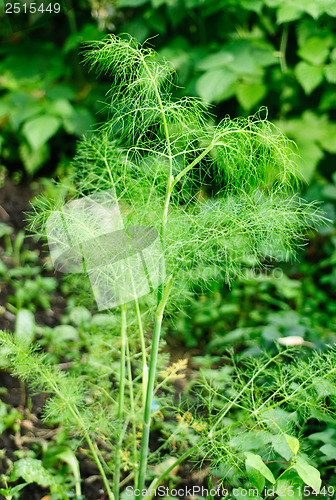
<point x="163" y="196"/>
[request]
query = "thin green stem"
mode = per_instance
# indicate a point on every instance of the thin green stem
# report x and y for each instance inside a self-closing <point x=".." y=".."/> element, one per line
<point x="193" y="163"/>
<point x="150" y="386"/>
<point x="154" y="485"/>
<point x="99" y="464"/>
<point x="170" y="179"/>
<point x="208" y="149"/>
<point x="116" y="479"/>
<point x="283" y="48"/>
<point x="143" y="353"/>
<point x="75" y="413"/>
<point x="130" y="380"/>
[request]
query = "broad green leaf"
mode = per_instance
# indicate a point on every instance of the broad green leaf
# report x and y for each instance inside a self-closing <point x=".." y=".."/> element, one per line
<point x="61" y="107"/>
<point x="70" y="458"/>
<point x="39" y="130"/>
<point x="33" y="159"/>
<point x="281" y="446"/>
<point x="25" y="328"/>
<point x="64" y="332"/>
<point x="255" y="461"/>
<point x="32" y="471"/>
<point x="80" y="315"/>
<point x="252" y="5"/>
<point x="157" y="3"/>
<point x="308" y="474"/>
<point x="289" y="488"/>
<point x="293" y="443"/>
<point x="324" y="436"/>
<point x="278" y="418"/>
<point x="256" y="477"/>
<point x="329" y="191"/>
<point x="61" y="91"/>
<point x="130" y="3"/>
<point x="20" y="115"/>
<point x="330" y="8"/>
<point x="248" y="95"/>
<point x="137" y="28"/>
<point x="313" y="8"/>
<point x="251" y="440"/>
<point x="313" y="134"/>
<point x="315" y="50"/>
<point x="286" y="13"/>
<point x="88" y="33"/>
<point x="251" y="56"/>
<point x="273" y="3"/>
<point x="324" y="387"/>
<point x="216" y="85"/>
<point x="322" y="416"/>
<point x="218" y="60"/>
<point x="305" y="29"/>
<point x="330" y="72"/>
<point x="79" y="121"/>
<point x="308" y="76"/>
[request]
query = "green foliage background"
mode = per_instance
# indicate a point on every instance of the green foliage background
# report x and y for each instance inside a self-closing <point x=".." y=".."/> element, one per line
<point x="237" y="55"/>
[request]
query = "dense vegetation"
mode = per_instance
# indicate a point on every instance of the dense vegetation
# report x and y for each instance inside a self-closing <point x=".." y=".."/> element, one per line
<point x="246" y="382"/>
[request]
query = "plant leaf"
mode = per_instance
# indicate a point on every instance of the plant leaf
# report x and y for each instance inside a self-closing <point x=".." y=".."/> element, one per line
<point x="32" y="471"/>
<point x="315" y="50"/>
<point x="330" y="72"/>
<point x="38" y="130"/>
<point x="329" y="450"/>
<point x="308" y="474"/>
<point x="308" y="76"/>
<point x="255" y="462"/>
<point x="33" y="159"/>
<point x="249" y="94"/>
<point x="256" y="477"/>
<point x="79" y="121"/>
<point x="216" y="85"/>
<point x="293" y="443"/>
<point x="25" y="328"/>
<point x="286" y="13"/>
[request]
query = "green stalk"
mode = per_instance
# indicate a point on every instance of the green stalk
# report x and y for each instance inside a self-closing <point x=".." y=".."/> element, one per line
<point x="130" y="381"/>
<point x="143" y="354"/>
<point x="150" y="386"/>
<point x="99" y="465"/>
<point x="116" y="478"/>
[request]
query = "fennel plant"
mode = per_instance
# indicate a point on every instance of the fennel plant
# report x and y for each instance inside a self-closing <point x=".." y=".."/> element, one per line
<point x="218" y="196"/>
